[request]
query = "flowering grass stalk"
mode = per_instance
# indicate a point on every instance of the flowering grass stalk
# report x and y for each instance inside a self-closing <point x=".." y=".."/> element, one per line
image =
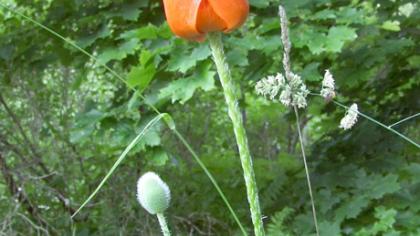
<point x="239" y="129"/>
<point x="287" y="68"/>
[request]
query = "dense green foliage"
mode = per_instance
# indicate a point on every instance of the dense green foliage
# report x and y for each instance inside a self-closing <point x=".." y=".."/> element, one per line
<point x="64" y="120"/>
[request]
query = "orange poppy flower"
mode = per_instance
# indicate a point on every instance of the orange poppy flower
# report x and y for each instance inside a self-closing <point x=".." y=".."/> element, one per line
<point x="192" y="19"/>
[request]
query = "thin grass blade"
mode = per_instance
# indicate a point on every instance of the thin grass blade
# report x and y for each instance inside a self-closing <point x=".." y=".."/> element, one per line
<point x="119" y="160"/>
<point x="166" y="117"/>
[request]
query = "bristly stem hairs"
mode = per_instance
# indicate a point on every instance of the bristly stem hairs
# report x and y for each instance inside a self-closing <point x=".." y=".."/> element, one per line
<point x="229" y="89"/>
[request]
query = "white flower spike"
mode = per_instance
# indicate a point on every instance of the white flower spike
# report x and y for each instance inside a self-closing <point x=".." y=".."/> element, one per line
<point x="152" y="193"/>
<point x="328" y="81"/>
<point x="328" y="86"/>
<point x="292" y="93"/>
<point x="270" y="86"/>
<point x="350" y="119"/>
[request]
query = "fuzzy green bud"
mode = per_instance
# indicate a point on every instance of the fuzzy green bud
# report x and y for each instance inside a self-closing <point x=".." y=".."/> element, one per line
<point x="152" y="193"/>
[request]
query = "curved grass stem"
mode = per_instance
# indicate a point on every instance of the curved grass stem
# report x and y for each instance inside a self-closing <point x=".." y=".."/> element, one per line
<point x="119" y="77"/>
<point x="239" y="130"/>
<point x="119" y="160"/>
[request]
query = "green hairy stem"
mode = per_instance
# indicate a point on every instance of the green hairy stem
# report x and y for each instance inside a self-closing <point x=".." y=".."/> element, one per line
<point x="239" y="129"/>
<point x="163" y="224"/>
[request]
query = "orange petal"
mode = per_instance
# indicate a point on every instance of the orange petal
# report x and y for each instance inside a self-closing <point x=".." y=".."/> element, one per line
<point x="181" y="17"/>
<point x="233" y="12"/>
<point x="207" y="20"/>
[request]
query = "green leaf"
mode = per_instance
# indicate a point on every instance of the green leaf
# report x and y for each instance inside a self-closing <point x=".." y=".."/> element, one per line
<point x="183" y="89"/>
<point x="88" y="40"/>
<point x="144" y="73"/>
<point x="310" y="72"/>
<point x="182" y="60"/>
<point x="414" y="171"/>
<point x="237" y="56"/>
<point x="316" y="45"/>
<point x="377" y="185"/>
<point x="85" y="125"/>
<point x="326" y="200"/>
<point x="324" y="15"/>
<point x="305" y="35"/>
<point x="147" y="32"/>
<point x="152" y="137"/>
<point x="351" y="208"/>
<point x="407" y="9"/>
<point x="259" y="3"/>
<point x="414" y="61"/>
<point x="119" y="53"/>
<point x="329" y="228"/>
<point x="386" y="220"/>
<point x="337" y="36"/>
<point x="120" y="135"/>
<point x="128" y="11"/>
<point x="158" y="157"/>
<point x="391" y="25"/>
<point x="278" y="224"/>
<point x="134" y="102"/>
<point x="350" y="15"/>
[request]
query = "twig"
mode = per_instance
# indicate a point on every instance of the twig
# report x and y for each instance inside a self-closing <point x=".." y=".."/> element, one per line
<point x="35" y="226"/>
<point x="28" y="142"/>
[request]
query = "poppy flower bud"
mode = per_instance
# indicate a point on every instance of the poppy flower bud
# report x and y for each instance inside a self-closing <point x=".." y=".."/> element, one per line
<point x="192" y="19"/>
<point x="152" y="193"/>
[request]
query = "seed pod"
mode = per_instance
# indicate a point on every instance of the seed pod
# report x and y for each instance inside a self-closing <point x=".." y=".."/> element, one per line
<point x="152" y="193"/>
